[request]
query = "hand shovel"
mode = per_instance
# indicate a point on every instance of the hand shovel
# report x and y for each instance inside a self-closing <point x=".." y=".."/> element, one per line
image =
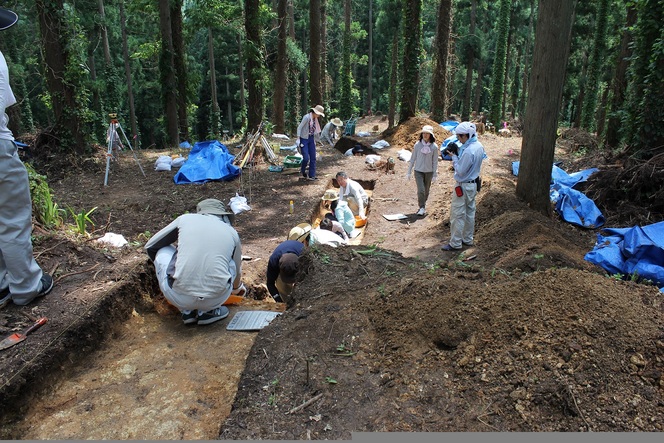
<point x="17" y="337"/>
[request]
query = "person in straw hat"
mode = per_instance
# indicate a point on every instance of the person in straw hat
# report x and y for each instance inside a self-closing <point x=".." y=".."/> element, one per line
<point x="329" y="133"/>
<point x="340" y="211"/>
<point x="307" y="131"/>
<point x="283" y="264"/>
<point x="425" y="162"/>
<point x="21" y="278"/>
<point x="205" y="268"/>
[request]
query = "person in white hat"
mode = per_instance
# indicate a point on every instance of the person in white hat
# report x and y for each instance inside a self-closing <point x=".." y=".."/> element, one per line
<point x="425" y="162"/>
<point x="307" y="131"/>
<point x="21" y="278"/>
<point x="205" y="268"/>
<point x="467" y="165"/>
<point x="329" y="133"/>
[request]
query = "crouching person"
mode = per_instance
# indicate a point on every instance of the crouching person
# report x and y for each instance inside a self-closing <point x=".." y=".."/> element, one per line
<point x="284" y="262"/>
<point x="205" y="268"/>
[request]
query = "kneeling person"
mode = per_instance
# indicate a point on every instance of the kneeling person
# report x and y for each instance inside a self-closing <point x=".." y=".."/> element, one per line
<point x="205" y="268"/>
<point x="282" y="268"/>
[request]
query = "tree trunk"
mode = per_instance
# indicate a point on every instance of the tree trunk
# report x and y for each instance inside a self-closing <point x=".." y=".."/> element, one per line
<point x="294" y="97"/>
<point x="547" y="78"/>
<point x="315" y="95"/>
<point x="229" y="103"/>
<point x="167" y="70"/>
<point x="346" y="105"/>
<point x="323" y="52"/>
<point x="527" y="57"/>
<point x="130" y="91"/>
<point x="180" y="65"/>
<point x="215" y="114"/>
<point x="281" y="71"/>
<point x="370" y="61"/>
<point x="104" y="33"/>
<point x="465" y="108"/>
<point x="255" y="109"/>
<point x="394" y="72"/>
<point x="619" y="84"/>
<point x="477" y="102"/>
<point x="62" y="92"/>
<point x="582" y="93"/>
<point x="410" y="78"/>
<point x="596" y="61"/>
<point x="439" y="82"/>
<point x="500" y="62"/>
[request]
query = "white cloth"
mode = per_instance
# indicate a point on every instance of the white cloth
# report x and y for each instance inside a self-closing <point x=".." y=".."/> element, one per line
<point x="112" y="239"/>
<point x="372" y="159"/>
<point x="320" y="236"/>
<point x="6" y="99"/>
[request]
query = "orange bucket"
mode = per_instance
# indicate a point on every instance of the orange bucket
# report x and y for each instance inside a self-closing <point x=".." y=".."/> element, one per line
<point x="359" y="222"/>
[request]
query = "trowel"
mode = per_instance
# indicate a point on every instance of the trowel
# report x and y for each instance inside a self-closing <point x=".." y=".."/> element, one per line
<point x="18" y="337"/>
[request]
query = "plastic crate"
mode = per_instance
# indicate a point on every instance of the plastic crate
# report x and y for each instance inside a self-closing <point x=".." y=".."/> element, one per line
<point x="292" y="161"/>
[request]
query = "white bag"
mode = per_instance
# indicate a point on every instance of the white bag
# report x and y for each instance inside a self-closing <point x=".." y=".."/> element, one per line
<point x="239" y="204"/>
<point x="163" y="163"/>
<point x="371" y="159"/>
<point x="178" y="161"/>
<point x="404" y="155"/>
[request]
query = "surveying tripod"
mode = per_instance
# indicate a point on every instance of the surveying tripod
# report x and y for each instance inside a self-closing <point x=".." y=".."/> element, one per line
<point x="113" y="138"/>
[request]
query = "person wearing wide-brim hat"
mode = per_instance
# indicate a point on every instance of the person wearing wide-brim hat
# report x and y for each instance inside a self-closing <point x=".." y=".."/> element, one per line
<point x="425" y="163"/>
<point x="283" y="264"/>
<point x="329" y="133"/>
<point x="21" y="278"/>
<point x="205" y="269"/>
<point x="307" y="132"/>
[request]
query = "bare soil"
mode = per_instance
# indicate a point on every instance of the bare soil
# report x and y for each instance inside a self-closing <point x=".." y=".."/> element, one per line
<point x="516" y="333"/>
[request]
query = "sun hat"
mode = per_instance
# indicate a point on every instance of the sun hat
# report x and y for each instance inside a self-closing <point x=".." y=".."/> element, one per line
<point x="466" y="128"/>
<point x="429" y="129"/>
<point x="337" y="122"/>
<point x="300" y="232"/>
<point x="288" y="266"/>
<point x="318" y="109"/>
<point x="215" y="207"/>
<point x="7" y="18"/>
<point x="330" y="195"/>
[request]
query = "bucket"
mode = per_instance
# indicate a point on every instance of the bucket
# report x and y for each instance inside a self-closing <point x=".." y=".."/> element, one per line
<point x="276" y="147"/>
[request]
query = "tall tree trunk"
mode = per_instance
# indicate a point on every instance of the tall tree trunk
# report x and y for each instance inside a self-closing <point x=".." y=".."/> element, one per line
<point x="68" y="121"/>
<point x="547" y="78"/>
<point x="130" y="90"/>
<point x="500" y="62"/>
<point x="465" y="108"/>
<point x="477" y="101"/>
<point x="294" y="97"/>
<point x="346" y="105"/>
<point x="279" y="97"/>
<point x="601" y="113"/>
<point x="315" y="95"/>
<point x="370" y="61"/>
<point x="243" y="103"/>
<point x="410" y="78"/>
<point x="439" y="82"/>
<point x="104" y="32"/>
<point x="179" y="57"/>
<point x="168" y="80"/>
<point x="596" y="61"/>
<point x="323" y="52"/>
<point x="527" y="57"/>
<point x="255" y="75"/>
<point x="619" y="84"/>
<point x="394" y="72"/>
<point x="215" y="112"/>
<point x="582" y="92"/>
<point x="229" y="103"/>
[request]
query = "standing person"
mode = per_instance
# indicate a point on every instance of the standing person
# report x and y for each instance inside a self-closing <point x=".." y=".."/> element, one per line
<point x="329" y="133"/>
<point x="21" y="278"/>
<point x="205" y="268"/>
<point x="282" y="269"/>
<point x="353" y="193"/>
<point x="425" y="162"/>
<point x="467" y="164"/>
<point x="307" y="131"/>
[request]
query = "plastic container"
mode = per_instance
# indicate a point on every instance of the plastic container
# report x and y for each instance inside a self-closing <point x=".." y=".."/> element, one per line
<point x="292" y="161"/>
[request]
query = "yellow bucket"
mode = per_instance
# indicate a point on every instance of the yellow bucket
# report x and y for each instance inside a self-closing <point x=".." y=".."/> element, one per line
<point x="276" y="147"/>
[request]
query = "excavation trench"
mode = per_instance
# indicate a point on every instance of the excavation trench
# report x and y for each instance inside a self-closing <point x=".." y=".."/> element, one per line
<point x="131" y="370"/>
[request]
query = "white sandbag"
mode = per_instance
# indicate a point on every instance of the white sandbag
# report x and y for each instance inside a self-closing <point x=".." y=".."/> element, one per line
<point x="239" y="204"/>
<point x="363" y="134"/>
<point x="349" y="153"/>
<point x="116" y="240"/>
<point x="163" y="163"/>
<point x="404" y="155"/>
<point x="178" y="161"/>
<point x="281" y="136"/>
<point x="372" y="159"/>
<point x="380" y="144"/>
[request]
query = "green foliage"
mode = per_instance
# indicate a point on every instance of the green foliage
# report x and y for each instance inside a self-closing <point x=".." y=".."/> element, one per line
<point x="46" y="211"/>
<point x="596" y="60"/>
<point x="81" y="220"/>
<point x="500" y="62"/>
<point x="330" y="380"/>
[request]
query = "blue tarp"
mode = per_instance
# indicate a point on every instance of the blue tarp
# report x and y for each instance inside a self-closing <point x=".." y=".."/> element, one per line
<point x="185" y="145"/>
<point x="632" y="251"/>
<point x="573" y="206"/>
<point x="449" y="125"/>
<point x="208" y="160"/>
<point x="443" y="145"/>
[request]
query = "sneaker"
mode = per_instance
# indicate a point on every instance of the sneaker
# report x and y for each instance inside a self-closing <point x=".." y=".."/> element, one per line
<point x="189" y="317"/>
<point x="5" y="297"/>
<point x="312" y="178"/>
<point x="449" y="247"/>
<point x="46" y="285"/>
<point x="421" y="211"/>
<point x="205" y="318"/>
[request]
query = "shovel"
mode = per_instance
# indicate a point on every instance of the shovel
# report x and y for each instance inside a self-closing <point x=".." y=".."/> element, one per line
<point x="17" y="337"/>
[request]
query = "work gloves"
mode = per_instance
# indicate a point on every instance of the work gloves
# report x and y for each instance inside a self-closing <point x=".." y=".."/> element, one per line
<point x="240" y="291"/>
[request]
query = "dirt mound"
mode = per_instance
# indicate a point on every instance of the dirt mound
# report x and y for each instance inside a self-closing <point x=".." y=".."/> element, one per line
<point x="405" y="135"/>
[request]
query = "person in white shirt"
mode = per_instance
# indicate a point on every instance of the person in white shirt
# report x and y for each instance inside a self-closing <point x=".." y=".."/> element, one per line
<point x="353" y="193"/>
<point x="329" y="132"/>
<point x="21" y="278"/>
<point x="425" y="162"/>
<point x="204" y="270"/>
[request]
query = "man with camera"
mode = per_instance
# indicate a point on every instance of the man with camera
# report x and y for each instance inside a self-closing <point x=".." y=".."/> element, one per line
<point x="467" y="160"/>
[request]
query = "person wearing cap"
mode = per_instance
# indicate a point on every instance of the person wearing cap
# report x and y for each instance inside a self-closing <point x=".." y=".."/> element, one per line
<point x="283" y="265"/>
<point x="467" y="163"/>
<point x="352" y="192"/>
<point x="425" y="163"/>
<point x="307" y="131"/>
<point x="329" y="133"/>
<point x="21" y="278"/>
<point x="205" y="268"/>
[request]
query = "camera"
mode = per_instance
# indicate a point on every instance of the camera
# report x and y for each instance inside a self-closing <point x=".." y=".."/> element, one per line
<point x="451" y="148"/>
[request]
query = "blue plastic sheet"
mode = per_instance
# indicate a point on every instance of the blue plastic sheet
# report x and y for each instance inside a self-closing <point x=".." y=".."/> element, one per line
<point x="632" y="251"/>
<point x="185" y="145"/>
<point x="208" y="160"/>
<point x="449" y="125"/>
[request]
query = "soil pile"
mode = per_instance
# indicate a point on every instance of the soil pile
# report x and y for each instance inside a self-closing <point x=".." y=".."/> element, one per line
<point x="405" y="135"/>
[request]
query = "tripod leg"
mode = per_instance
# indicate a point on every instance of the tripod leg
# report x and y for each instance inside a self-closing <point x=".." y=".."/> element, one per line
<point x="132" y="149"/>
<point x="109" y="153"/>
